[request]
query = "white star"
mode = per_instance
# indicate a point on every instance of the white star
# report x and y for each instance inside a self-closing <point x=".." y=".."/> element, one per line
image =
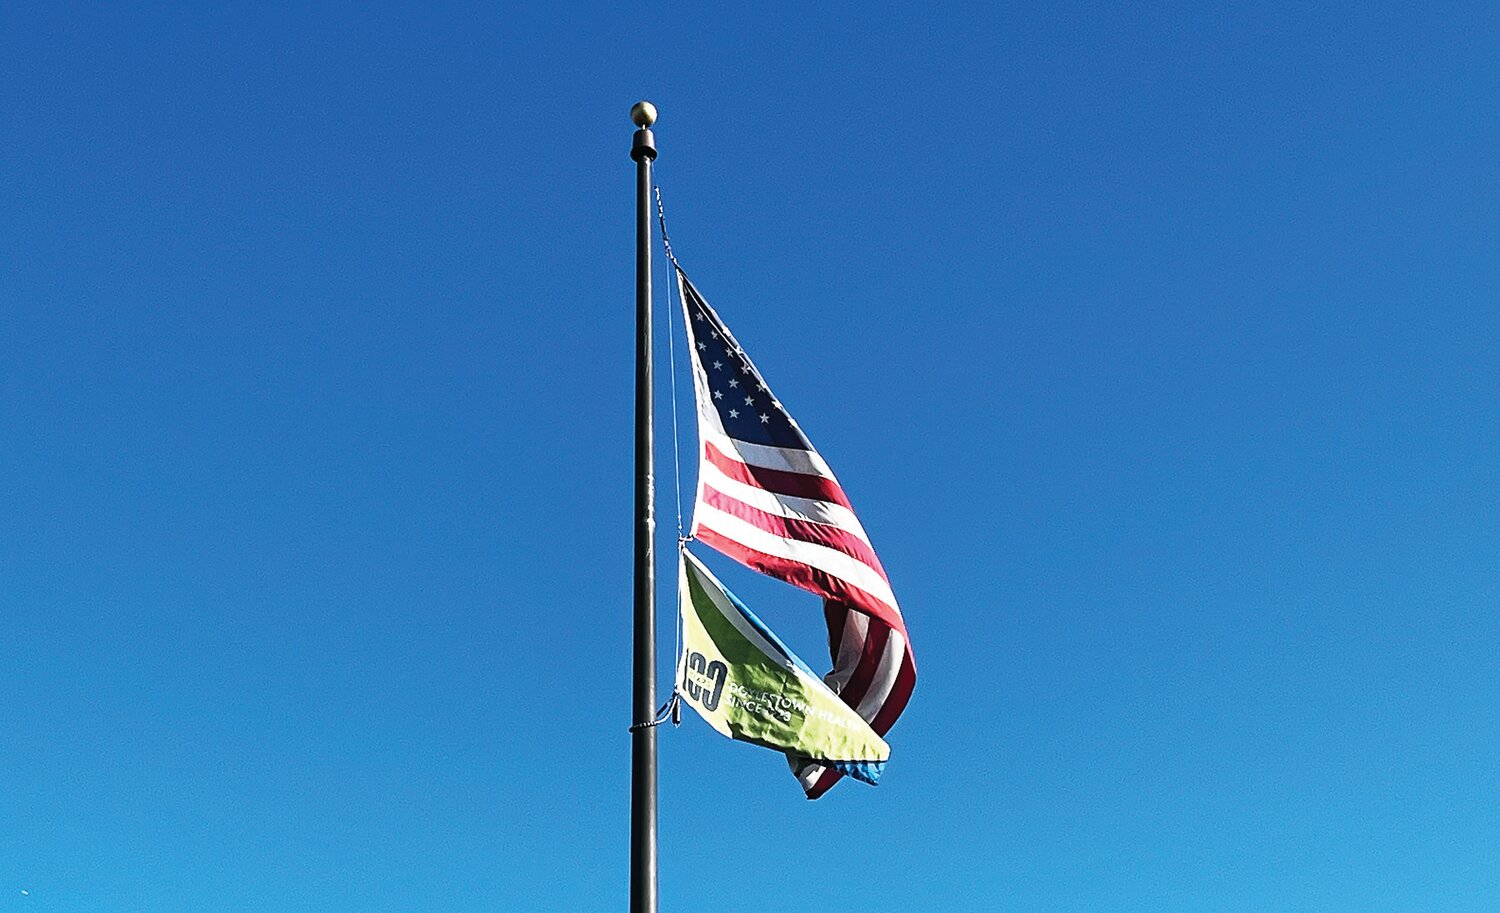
<point x="749" y="400"/>
<point x="718" y="394"/>
<point x="764" y="418"/>
<point x="734" y="381"/>
<point x="702" y="345"/>
<point x="718" y="365"/>
<point x="745" y="368"/>
<point x="716" y="334"/>
<point x="734" y="413"/>
<point x="761" y="384"/>
<point x="698" y="316"/>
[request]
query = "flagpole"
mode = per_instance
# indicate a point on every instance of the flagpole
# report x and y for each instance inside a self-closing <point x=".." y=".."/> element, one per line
<point x="642" y="735"/>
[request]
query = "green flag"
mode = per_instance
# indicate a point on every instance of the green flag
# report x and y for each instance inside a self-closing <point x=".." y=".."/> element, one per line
<point x="745" y="682"/>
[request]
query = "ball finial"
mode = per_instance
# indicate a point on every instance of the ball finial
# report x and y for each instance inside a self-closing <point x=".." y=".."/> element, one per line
<point x="643" y="114"/>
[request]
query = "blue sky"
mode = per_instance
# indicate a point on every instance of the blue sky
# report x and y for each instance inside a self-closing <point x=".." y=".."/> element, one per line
<point x="1154" y="344"/>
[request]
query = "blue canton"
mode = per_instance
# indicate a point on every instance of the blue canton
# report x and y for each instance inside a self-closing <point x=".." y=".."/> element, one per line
<point x="747" y="408"/>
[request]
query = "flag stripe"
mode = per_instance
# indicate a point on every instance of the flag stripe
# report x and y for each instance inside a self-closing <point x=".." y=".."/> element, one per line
<point x="780" y="481"/>
<point x="809" y="509"/>
<point x="836" y="616"/>
<point x="868" y="589"/>
<point x="801" y="530"/>
<point x="812" y="567"/>
<point x="851" y="635"/>
<point x="870" y="656"/>
<point x="883" y="679"/>
<point x="895" y="702"/>
<point x="765" y="456"/>
<point x="824" y="781"/>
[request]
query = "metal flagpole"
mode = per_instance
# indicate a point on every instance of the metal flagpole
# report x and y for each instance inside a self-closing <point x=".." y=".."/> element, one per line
<point x="643" y="702"/>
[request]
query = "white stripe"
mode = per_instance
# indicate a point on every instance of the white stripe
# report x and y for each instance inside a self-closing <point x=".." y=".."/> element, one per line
<point x="786" y="459"/>
<point x="788" y="506"/>
<point x="830" y="561"/>
<point x="885" y="677"/>
<point x="806" y="773"/>
<point x="851" y="645"/>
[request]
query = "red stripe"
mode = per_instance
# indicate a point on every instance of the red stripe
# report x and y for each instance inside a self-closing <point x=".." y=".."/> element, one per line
<point x="802" y="575"/>
<point x="834" y="537"/>
<point x="870" y="654"/>
<point x="824" y="782"/>
<point x="853" y="692"/>
<point x="835" y="613"/>
<point x="895" y="702"/>
<point x="776" y="481"/>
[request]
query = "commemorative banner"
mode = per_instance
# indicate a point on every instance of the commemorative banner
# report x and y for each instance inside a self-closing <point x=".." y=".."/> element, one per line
<point x="746" y="684"/>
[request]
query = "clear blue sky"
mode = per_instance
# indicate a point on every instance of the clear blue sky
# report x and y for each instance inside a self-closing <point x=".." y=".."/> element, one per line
<point x="1155" y="345"/>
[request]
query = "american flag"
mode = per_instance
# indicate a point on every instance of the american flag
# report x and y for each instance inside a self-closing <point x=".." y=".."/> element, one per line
<point x="769" y="501"/>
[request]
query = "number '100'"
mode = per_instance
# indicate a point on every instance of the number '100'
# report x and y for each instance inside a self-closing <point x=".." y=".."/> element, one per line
<point x="707" y="685"/>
